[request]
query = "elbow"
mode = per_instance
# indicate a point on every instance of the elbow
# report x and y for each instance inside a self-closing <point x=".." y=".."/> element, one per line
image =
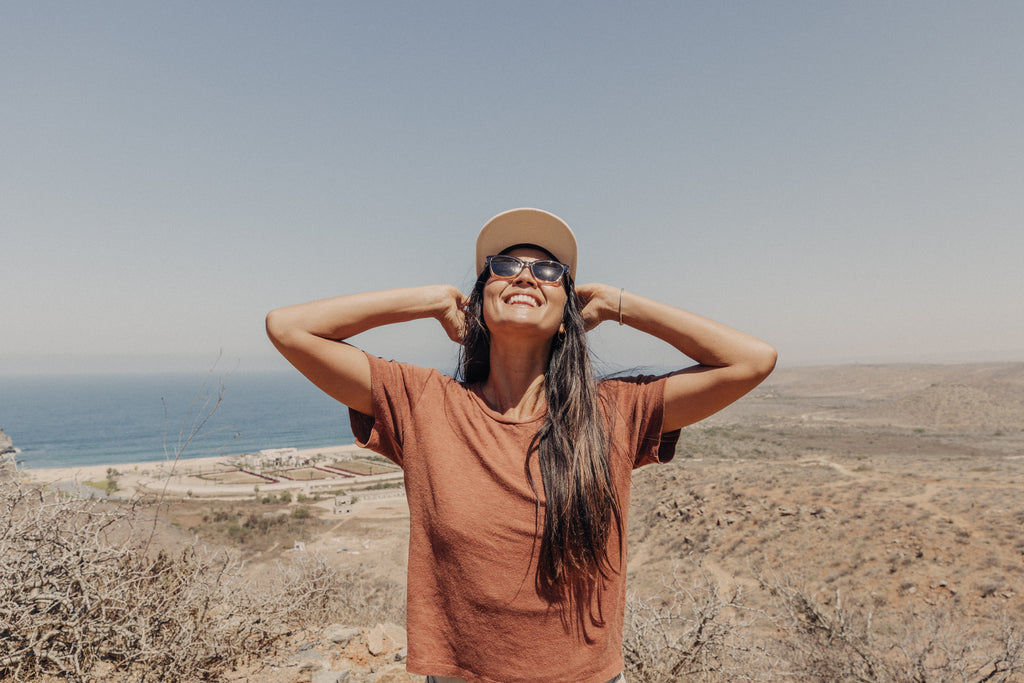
<point x="756" y="363"/>
<point x="277" y="326"/>
<point x="763" y="361"/>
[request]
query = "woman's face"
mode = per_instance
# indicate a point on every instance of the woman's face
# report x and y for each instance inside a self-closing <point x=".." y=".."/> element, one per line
<point x="523" y="304"/>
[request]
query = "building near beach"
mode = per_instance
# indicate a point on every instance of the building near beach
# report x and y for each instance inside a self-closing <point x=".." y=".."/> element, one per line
<point x="271" y="458"/>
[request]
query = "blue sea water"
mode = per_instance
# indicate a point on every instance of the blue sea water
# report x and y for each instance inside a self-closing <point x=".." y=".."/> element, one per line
<point x="62" y="421"/>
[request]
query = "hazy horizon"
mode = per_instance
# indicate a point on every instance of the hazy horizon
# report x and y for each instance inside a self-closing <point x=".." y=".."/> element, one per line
<point x="185" y="365"/>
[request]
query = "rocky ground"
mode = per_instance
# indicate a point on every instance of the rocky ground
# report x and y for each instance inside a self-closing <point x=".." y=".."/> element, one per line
<point x="337" y="654"/>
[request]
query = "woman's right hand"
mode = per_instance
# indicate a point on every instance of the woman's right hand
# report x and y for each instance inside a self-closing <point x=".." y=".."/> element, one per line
<point x="453" y="313"/>
<point x="308" y="334"/>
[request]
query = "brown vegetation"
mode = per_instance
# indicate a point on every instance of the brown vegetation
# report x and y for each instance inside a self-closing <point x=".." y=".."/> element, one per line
<point x="865" y="542"/>
<point x="86" y="594"/>
<point x="842" y="524"/>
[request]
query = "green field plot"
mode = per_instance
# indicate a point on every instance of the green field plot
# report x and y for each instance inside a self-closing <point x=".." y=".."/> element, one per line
<point x="307" y="474"/>
<point x="362" y="467"/>
<point x="234" y="477"/>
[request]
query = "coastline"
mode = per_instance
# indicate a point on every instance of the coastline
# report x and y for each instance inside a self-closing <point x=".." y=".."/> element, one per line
<point x="180" y="478"/>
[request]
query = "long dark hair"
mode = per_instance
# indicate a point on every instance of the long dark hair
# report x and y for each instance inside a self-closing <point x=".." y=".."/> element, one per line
<point x="581" y="508"/>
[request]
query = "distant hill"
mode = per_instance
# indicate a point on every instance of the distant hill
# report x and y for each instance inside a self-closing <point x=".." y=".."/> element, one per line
<point x="982" y="397"/>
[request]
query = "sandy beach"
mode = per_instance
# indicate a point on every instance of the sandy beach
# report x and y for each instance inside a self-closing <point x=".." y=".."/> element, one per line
<point x="185" y="478"/>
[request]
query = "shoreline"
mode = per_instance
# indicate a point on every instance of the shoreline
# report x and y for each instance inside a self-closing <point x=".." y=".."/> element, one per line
<point x="179" y="478"/>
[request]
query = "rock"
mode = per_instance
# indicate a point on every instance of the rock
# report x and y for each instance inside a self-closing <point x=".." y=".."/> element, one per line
<point x="340" y="634"/>
<point x="384" y="638"/>
<point x="394" y="674"/>
<point x="397" y="634"/>
<point x="330" y="676"/>
<point x="7" y="453"/>
<point x="6" y="443"/>
<point x="374" y="638"/>
<point x="309" y="658"/>
<point x="359" y="674"/>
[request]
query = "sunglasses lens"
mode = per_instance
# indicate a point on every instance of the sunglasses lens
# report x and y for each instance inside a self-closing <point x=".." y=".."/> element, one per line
<point x="510" y="266"/>
<point x="505" y="266"/>
<point x="548" y="271"/>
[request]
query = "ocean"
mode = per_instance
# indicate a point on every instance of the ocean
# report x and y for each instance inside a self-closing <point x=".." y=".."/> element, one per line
<point x="64" y="421"/>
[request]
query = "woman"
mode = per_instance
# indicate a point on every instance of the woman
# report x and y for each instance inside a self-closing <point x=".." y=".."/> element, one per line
<point x="517" y="476"/>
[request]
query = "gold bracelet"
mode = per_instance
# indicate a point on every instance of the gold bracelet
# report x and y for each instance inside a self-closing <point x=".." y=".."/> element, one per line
<point x="621" y="290"/>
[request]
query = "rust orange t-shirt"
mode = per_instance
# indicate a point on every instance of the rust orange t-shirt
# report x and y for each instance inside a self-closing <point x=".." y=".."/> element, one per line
<point x="473" y="607"/>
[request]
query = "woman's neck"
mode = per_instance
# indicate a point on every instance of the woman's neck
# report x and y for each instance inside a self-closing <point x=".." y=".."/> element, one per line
<point x="515" y="382"/>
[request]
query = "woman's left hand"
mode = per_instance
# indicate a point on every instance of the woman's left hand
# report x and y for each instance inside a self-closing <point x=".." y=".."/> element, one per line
<point x="597" y="303"/>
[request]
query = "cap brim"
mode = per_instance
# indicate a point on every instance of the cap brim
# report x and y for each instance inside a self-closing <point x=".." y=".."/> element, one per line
<point x="527" y="226"/>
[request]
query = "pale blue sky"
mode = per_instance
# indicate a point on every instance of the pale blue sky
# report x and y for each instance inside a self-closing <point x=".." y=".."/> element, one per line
<point x="842" y="179"/>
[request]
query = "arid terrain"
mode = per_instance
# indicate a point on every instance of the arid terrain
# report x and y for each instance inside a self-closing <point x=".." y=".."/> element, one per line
<point x="902" y="484"/>
<point x="899" y="488"/>
<point x="876" y="501"/>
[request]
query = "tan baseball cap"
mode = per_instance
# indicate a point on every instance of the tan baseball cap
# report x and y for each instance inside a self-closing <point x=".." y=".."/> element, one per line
<point x="527" y="226"/>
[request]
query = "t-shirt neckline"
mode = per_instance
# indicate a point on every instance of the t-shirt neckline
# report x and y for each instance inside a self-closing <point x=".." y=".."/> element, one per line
<point x="495" y="415"/>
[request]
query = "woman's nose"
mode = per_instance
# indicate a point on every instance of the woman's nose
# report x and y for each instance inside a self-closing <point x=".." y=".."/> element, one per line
<point x="526" y="276"/>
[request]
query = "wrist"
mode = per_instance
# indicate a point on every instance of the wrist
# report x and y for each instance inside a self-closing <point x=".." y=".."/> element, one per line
<point x="609" y="303"/>
<point x="612" y="308"/>
<point x="442" y="297"/>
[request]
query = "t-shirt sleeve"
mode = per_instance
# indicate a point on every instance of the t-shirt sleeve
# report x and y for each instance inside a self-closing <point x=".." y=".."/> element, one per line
<point x="636" y="409"/>
<point x="395" y="388"/>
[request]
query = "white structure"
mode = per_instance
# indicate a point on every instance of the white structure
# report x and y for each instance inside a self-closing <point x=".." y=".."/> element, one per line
<point x="272" y="457"/>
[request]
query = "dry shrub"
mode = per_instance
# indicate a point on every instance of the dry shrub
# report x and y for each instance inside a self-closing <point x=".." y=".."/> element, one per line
<point x="77" y="590"/>
<point x="312" y="592"/>
<point x="823" y="643"/>
<point x="694" y="631"/>
<point x="846" y="640"/>
<point x="81" y="598"/>
<point x="691" y="632"/>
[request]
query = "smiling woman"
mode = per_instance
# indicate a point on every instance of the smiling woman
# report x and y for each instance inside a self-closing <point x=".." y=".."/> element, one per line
<point x="531" y="306"/>
<point x="518" y="470"/>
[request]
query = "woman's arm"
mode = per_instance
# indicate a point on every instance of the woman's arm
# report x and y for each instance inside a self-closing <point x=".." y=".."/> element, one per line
<point x="309" y="334"/>
<point x="731" y="362"/>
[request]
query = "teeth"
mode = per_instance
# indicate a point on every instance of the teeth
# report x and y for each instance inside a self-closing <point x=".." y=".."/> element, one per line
<point x="521" y="299"/>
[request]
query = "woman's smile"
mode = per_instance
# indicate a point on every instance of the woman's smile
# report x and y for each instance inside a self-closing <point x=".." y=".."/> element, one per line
<point x="522" y="299"/>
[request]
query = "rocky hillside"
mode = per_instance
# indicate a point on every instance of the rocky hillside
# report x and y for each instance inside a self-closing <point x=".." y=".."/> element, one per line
<point x="6" y="444"/>
<point x="7" y="453"/>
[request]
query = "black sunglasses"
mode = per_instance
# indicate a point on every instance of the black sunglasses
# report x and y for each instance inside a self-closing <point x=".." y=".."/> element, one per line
<point x="505" y="266"/>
